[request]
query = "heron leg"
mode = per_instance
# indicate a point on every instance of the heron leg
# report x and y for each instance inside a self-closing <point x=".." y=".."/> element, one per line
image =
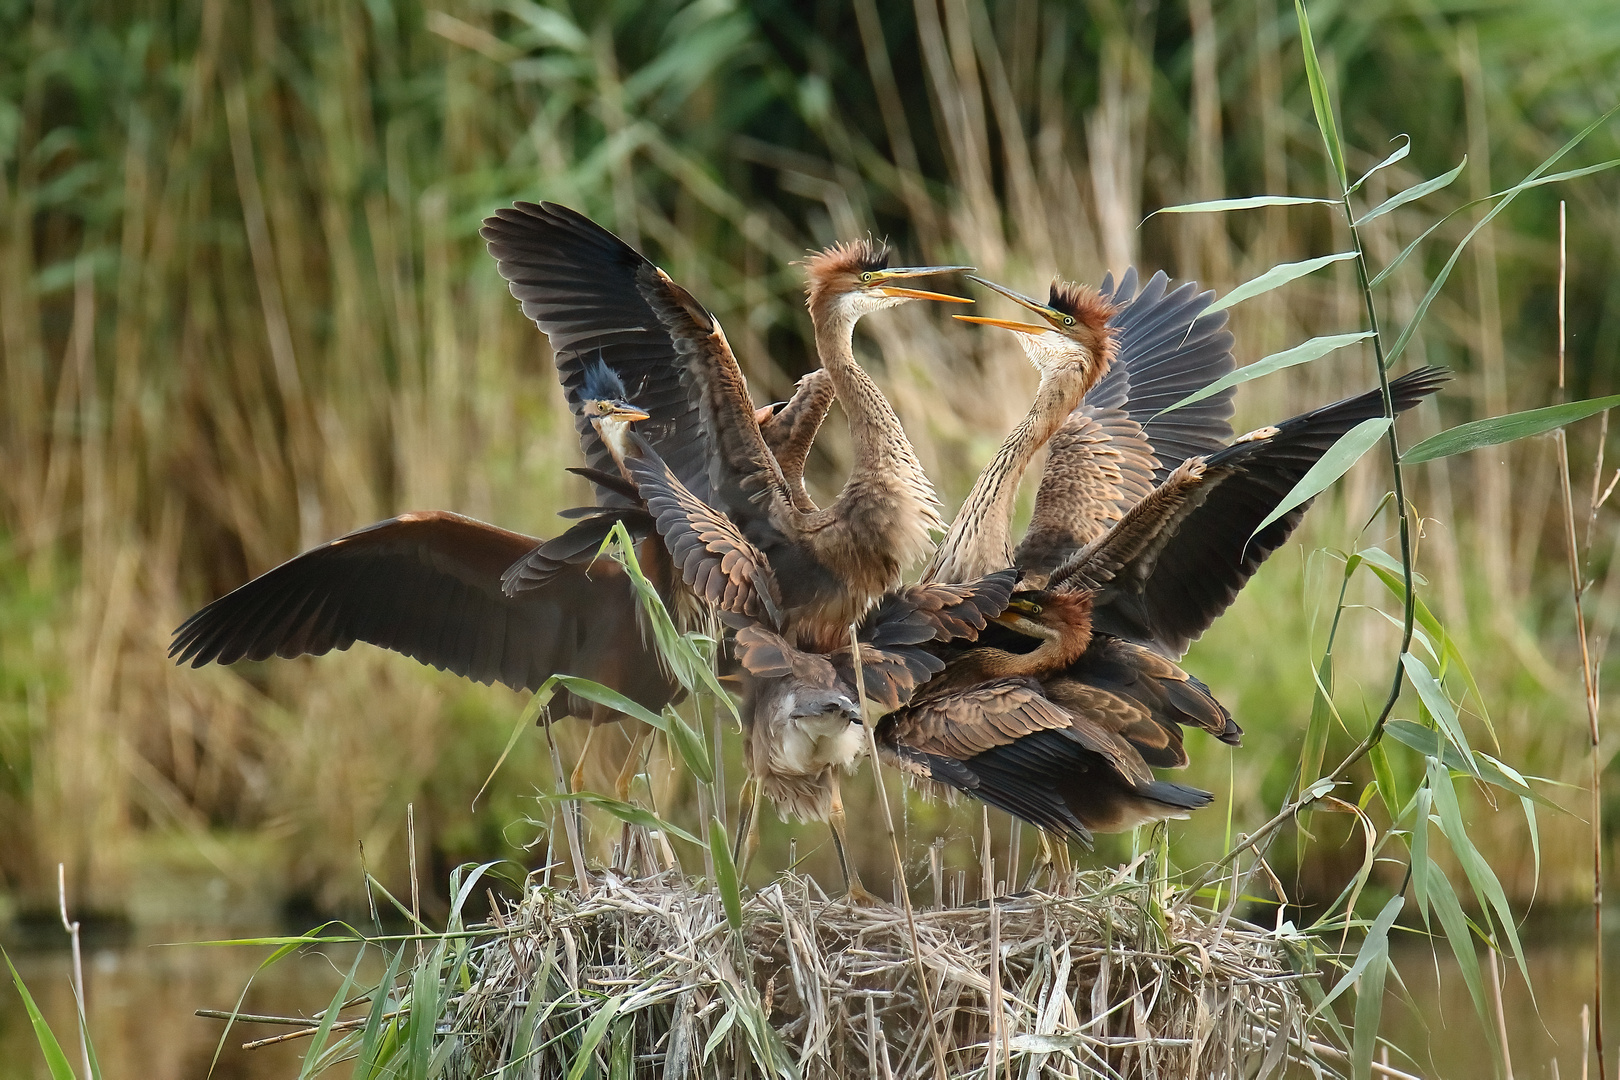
<point x="632" y="763"/>
<point x="576" y="779"/>
<point x="1045" y="862"/>
<point x="1061" y="867"/>
<point x="854" y="890"/>
<point x="747" y="842"/>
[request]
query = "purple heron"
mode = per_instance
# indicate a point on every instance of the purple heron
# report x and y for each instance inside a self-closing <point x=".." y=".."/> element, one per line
<point x="1065" y="735"/>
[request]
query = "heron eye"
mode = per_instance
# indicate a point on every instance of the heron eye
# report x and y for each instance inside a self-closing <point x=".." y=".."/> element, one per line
<point x="866" y="276"/>
<point x="1068" y="320"/>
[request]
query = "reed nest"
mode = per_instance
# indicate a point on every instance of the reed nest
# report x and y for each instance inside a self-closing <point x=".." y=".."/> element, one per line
<point x="647" y="978"/>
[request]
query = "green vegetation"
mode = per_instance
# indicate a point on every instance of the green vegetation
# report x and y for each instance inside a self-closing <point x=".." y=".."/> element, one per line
<point x="243" y="308"/>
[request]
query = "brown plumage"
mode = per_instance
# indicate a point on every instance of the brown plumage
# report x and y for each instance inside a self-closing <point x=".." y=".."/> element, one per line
<point x="1110" y="360"/>
<point x="1065" y="735"/>
<point x="428" y="585"/>
<point x="474" y="599"/>
<point x="1071" y="354"/>
<point x="790" y="428"/>
<point x="801" y="720"/>
<point x="1037" y="732"/>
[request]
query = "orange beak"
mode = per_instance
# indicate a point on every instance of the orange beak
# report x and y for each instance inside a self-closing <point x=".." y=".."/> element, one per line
<point x="881" y="277"/>
<point x="1053" y="317"/>
<point x="1005" y="324"/>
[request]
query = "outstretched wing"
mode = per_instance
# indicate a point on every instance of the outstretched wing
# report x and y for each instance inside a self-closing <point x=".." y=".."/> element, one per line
<point x="1115" y="447"/>
<point x="1164" y="582"/>
<point x="720" y="564"/>
<point x="1169" y="346"/>
<point x="429" y="585"/>
<point x="743" y="475"/>
<point x="587" y="290"/>
<point x="1099" y="465"/>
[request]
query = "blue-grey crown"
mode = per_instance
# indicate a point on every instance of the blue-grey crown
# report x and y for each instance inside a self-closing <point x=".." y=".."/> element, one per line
<point x="602" y="383"/>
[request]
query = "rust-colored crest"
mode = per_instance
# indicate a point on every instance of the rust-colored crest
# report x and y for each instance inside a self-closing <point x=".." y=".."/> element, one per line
<point x="1091" y="313"/>
<point x="835" y="268"/>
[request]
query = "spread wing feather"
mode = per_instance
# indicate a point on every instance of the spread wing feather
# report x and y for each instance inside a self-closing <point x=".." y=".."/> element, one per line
<point x="1115" y="447"/>
<point x="429" y="585"/>
<point x="586" y="289"/>
<point x="720" y="564"/>
<point x="1169" y="346"/>
<point x="1178" y="581"/>
<point x="1099" y="465"/>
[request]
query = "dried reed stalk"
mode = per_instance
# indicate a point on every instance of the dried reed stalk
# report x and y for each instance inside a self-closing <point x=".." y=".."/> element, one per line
<point x="1100" y="983"/>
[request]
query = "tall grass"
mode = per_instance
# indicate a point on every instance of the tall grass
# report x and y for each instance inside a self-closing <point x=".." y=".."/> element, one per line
<point x="245" y="309"/>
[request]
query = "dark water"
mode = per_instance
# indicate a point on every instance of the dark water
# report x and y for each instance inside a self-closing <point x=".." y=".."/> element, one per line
<point x="141" y="997"/>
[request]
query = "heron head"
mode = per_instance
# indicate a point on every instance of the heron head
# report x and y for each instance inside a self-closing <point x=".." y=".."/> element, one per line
<point x="603" y="396"/>
<point x="1073" y="331"/>
<point x="1048" y="615"/>
<point x="855" y="278"/>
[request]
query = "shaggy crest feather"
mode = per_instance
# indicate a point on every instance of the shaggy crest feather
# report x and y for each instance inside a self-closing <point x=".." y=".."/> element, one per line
<point x="835" y="264"/>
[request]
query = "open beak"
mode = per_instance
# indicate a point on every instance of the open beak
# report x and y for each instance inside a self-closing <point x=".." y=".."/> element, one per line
<point x="629" y="413"/>
<point x="1051" y="315"/>
<point x="1005" y="324"/>
<point x="881" y="277"/>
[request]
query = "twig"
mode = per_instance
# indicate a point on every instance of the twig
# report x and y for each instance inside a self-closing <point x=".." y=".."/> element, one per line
<point x="1501" y="1020"/>
<point x="416" y="889"/>
<point x="1578" y="588"/>
<point x="899" y="863"/>
<point x="78" y="966"/>
<point x="304" y="1033"/>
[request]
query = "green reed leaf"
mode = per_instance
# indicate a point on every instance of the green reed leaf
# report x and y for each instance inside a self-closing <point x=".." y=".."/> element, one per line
<point x="1412" y="194"/>
<point x="1217" y="206"/>
<point x="317" y="1044"/>
<point x="626" y="812"/>
<point x="725" y="873"/>
<point x="1303" y="353"/>
<point x="686" y="741"/>
<point x="1443" y="901"/>
<point x="371" y="1040"/>
<point x="55" y="1060"/>
<point x="593" y="1036"/>
<point x="1439" y="706"/>
<point x="1332" y="465"/>
<point x="526" y="719"/>
<point x="1370" y="998"/>
<point x="1425" y="618"/>
<point x="1535" y="179"/>
<point x="1511" y="427"/>
<point x="1320" y="102"/>
<point x="1388" y="790"/>
<point x="1401" y="152"/>
<point x="1487" y="889"/>
<point x="1377" y="933"/>
<point x="1275" y="278"/>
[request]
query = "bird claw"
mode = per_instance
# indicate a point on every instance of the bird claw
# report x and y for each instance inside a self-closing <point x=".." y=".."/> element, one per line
<point x="857" y="896"/>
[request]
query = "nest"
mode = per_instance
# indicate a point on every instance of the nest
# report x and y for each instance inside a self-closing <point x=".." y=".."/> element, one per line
<point x="649" y="979"/>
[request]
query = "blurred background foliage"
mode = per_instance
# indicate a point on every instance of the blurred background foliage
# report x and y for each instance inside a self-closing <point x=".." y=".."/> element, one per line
<point x="244" y="308"/>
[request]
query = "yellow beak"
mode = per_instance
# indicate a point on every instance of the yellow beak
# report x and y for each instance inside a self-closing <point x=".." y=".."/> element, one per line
<point x="879" y="279"/>
<point x="1005" y="324"/>
<point x="629" y="414"/>
<point x="1051" y="315"/>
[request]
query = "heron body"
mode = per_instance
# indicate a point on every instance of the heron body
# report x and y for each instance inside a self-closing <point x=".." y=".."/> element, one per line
<point x="1066" y="735"/>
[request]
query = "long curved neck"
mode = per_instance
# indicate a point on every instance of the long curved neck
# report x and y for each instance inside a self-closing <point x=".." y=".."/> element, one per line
<point x="980" y="538"/>
<point x="1061" y="647"/>
<point x="887" y="477"/>
<point x="615" y="435"/>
